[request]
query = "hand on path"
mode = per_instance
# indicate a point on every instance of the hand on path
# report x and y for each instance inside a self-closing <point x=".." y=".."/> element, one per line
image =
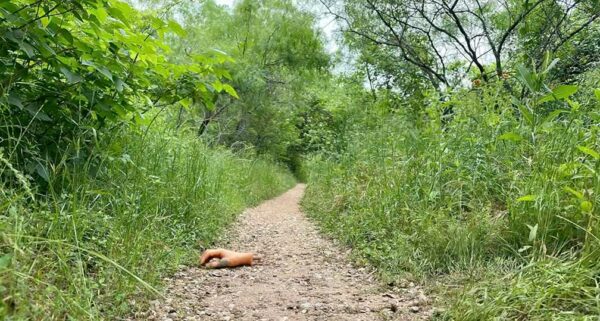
<point x="225" y="258"/>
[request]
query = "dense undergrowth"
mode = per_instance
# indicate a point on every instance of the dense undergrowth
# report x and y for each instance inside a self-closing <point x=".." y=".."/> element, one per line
<point x="92" y="247"/>
<point x="481" y="197"/>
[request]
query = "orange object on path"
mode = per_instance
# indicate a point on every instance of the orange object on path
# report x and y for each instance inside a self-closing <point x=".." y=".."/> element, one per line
<point x="225" y="258"/>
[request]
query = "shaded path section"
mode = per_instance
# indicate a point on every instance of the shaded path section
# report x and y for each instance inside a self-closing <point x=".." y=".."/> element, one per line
<point x="302" y="276"/>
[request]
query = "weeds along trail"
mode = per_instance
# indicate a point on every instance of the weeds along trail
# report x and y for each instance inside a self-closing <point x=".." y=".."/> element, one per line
<point x="108" y="240"/>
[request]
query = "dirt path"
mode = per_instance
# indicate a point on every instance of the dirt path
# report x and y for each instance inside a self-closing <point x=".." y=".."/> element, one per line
<point x="302" y="276"/>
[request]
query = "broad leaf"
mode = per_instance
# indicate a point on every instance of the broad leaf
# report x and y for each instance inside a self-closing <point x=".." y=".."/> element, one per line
<point x="119" y="84"/>
<point x="527" y="78"/>
<point x="559" y="93"/>
<point x="27" y="48"/>
<point x="228" y="89"/>
<point x="553" y="115"/>
<point x="103" y="70"/>
<point x="217" y="85"/>
<point x="176" y="28"/>
<point x="15" y="100"/>
<point x="38" y="114"/>
<point x="71" y="77"/>
<point x="186" y="103"/>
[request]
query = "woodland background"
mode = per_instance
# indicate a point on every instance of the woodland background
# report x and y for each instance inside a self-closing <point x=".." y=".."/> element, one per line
<point x="452" y="143"/>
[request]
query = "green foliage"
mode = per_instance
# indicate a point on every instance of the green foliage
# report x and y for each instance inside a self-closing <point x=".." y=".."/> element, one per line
<point x="494" y="183"/>
<point x="98" y="243"/>
<point x="553" y="289"/>
<point x="456" y="148"/>
<point x="278" y="55"/>
<point x="73" y="67"/>
<point x="577" y="43"/>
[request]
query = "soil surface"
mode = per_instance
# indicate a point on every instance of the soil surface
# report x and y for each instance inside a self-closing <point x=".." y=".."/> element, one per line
<point x="302" y="275"/>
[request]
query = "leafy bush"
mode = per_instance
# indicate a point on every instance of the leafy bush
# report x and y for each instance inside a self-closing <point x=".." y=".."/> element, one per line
<point x="71" y="68"/>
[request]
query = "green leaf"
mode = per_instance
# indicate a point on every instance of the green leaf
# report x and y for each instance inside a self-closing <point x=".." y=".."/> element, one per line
<point x="546" y="60"/>
<point x="122" y="11"/>
<point x="210" y="106"/>
<point x="558" y="93"/>
<point x="573" y="104"/>
<point x="228" y="89"/>
<point x="532" y="232"/>
<point x="38" y="114"/>
<point x="103" y="70"/>
<point x="100" y="14"/>
<point x="553" y="115"/>
<point x="5" y="261"/>
<point x="66" y="35"/>
<point x="45" y="21"/>
<point x="552" y="65"/>
<point x="586" y="206"/>
<point x="119" y="84"/>
<point x="29" y="50"/>
<point x="43" y="172"/>
<point x="15" y="100"/>
<point x="43" y="116"/>
<point x="510" y="136"/>
<point x="589" y="151"/>
<point x="11" y="7"/>
<point x="71" y="77"/>
<point x="528" y="115"/>
<point x="186" y="103"/>
<point x="528" y="78"/>
<point x="527" y="198"/>
<point x="597" y="93"/>
<point x="575" y="193"/>
<point x="176" y="28"/>
<point x="217" y="85"/>
<point x="524" y="30"/>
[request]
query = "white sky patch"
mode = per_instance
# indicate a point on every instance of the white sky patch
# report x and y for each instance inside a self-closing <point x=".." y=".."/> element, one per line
<point x="228" y="3"/>
<point x="325" y="23"/>
<point x="329" y="27"/>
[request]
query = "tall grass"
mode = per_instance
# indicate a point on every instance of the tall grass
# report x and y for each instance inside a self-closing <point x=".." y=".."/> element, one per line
<point x="478" y="193"/>
<point x="142" y="204"/>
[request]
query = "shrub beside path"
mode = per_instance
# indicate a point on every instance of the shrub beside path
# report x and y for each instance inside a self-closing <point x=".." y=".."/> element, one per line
<point x="302" y="276"/>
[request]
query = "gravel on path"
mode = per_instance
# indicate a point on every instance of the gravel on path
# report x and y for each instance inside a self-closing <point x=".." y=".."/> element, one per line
<point x="302" y="275"/>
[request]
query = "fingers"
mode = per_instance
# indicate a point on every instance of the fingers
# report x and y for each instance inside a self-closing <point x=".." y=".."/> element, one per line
<point x="226" y="258"/>
<point x="217" y="264"/>
<point x="210" y="254"/>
